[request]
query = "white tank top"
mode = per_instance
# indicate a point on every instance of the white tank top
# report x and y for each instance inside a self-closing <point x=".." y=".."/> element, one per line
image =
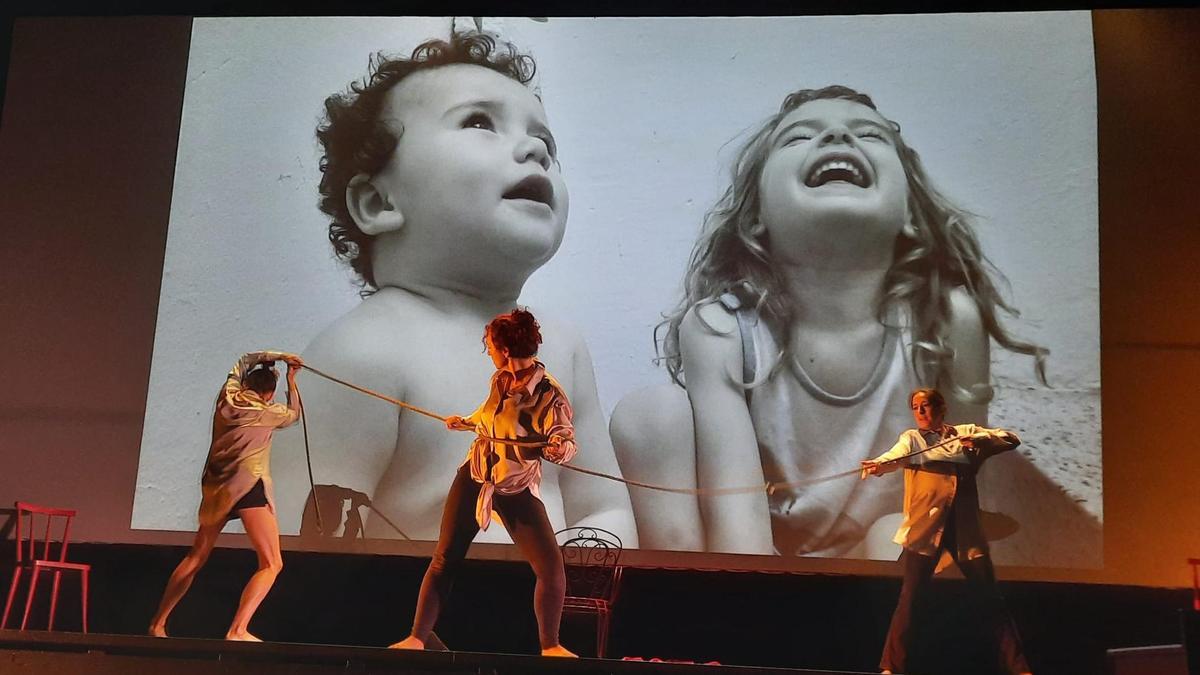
<point x="805" y="432"/>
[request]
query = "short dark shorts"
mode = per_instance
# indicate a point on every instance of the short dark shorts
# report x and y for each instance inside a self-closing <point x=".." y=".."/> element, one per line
<point x="255" y="498"/>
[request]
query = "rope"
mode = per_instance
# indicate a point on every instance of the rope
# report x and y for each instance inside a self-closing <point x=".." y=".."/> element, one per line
<point x="767" y="487"/>
<point x="420" y="411"/>
<point x="308" y="458"/>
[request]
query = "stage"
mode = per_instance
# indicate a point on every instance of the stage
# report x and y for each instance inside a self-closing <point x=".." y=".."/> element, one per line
<point x="43" y="653"/>
<point x="335" y="612"/>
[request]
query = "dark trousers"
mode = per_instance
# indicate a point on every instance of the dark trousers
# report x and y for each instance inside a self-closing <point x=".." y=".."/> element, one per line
<point x="981" y="581"/>
<point x="525" y="519"/>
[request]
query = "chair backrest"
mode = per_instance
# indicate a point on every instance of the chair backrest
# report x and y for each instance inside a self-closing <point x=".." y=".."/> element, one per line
<point x="590" y="555"/>
<point x="33" y="541"/>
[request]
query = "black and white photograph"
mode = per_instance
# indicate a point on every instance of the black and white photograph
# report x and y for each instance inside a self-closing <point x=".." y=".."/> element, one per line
<point x="747" y="241"/>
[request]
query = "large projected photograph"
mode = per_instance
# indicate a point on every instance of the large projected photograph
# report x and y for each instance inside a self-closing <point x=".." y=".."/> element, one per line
<point x="746" y="241"/>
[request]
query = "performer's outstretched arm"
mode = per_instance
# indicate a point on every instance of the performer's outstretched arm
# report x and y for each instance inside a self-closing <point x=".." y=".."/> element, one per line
<point x="886" y="463"/>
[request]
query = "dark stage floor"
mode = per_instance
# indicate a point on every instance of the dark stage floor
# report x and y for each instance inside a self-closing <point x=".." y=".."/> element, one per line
<point x="43" y="653"/>
<point x="764" y="623"/>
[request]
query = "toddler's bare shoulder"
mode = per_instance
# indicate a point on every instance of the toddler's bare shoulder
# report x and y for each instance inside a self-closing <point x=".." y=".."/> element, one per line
<point x="370" y="335"/>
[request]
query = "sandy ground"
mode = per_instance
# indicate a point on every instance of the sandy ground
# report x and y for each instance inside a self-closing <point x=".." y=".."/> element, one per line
<point x="1060" y="430"/>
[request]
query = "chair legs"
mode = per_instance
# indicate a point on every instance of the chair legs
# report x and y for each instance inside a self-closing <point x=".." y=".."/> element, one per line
<point x="12" y="592"/>
<point x="83" y="586"/>
<point x="54" y="598"/>
<point x="29" y="597"/>
<point x="601" y="633"/>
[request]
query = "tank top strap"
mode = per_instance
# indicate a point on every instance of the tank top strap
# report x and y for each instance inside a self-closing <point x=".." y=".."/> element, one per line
<point x="746" y="320"/>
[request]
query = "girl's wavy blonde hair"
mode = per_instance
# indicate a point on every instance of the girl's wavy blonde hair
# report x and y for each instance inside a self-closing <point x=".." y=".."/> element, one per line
<point x="733" y="255"/>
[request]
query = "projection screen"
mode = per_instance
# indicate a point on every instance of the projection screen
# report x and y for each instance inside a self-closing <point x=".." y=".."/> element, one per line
<point x="648" y="116"/>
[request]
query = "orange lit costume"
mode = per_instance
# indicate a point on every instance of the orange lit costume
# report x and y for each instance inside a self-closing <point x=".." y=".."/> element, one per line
<point x="535" y="411"/>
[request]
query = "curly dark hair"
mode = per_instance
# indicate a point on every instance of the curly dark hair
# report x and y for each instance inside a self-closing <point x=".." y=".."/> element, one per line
<point x="355" y="141"/>
<point x="517" y="331"/>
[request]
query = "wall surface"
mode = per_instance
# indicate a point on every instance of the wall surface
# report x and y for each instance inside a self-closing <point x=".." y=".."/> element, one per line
<point x="86" y="171"/>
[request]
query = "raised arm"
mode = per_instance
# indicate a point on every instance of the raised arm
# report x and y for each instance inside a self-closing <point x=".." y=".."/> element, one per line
<point x="294" y="363"/>
<point x="233" y="381"/>
<point x="726" y="447"/>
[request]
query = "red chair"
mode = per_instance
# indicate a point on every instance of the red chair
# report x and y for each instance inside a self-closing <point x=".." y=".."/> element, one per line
<point x="591" y="556"/>
<point x="1195" y="563"/>
<point x="30" y="558"/>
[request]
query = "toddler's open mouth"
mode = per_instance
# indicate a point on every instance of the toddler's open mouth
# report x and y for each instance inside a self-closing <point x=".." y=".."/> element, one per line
<point x="534" y="188"/>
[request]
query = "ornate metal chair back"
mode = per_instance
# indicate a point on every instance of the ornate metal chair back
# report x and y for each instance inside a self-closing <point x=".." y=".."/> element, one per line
<point x="591" y="556"/>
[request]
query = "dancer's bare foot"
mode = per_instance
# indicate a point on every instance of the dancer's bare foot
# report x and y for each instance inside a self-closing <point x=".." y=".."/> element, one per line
<point x="157" y="631"/>
<point x="559" y="650"/>
<point x="242" y="636"/>
<point x="409" y="642"/>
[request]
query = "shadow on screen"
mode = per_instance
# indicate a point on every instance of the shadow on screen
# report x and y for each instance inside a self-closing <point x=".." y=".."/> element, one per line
<point x="333" y="511"/>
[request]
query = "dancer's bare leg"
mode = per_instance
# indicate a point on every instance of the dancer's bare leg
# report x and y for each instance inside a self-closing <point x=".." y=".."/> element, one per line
<point x="181" y="578"/>
<point x="263" y="531"/>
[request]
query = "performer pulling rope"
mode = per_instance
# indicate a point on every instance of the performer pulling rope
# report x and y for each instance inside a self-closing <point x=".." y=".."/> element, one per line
<point x="768" y="487"/>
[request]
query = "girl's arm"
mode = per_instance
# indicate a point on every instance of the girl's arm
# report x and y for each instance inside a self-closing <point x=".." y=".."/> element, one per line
<point x="1054" y="529"/>
<point x="587" y="500"/>
<point x="971" y="367"/>
<point x="726" y="447"/>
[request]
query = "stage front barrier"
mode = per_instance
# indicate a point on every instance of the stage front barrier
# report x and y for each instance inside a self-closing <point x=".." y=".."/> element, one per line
<point x="41" y="653"/>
